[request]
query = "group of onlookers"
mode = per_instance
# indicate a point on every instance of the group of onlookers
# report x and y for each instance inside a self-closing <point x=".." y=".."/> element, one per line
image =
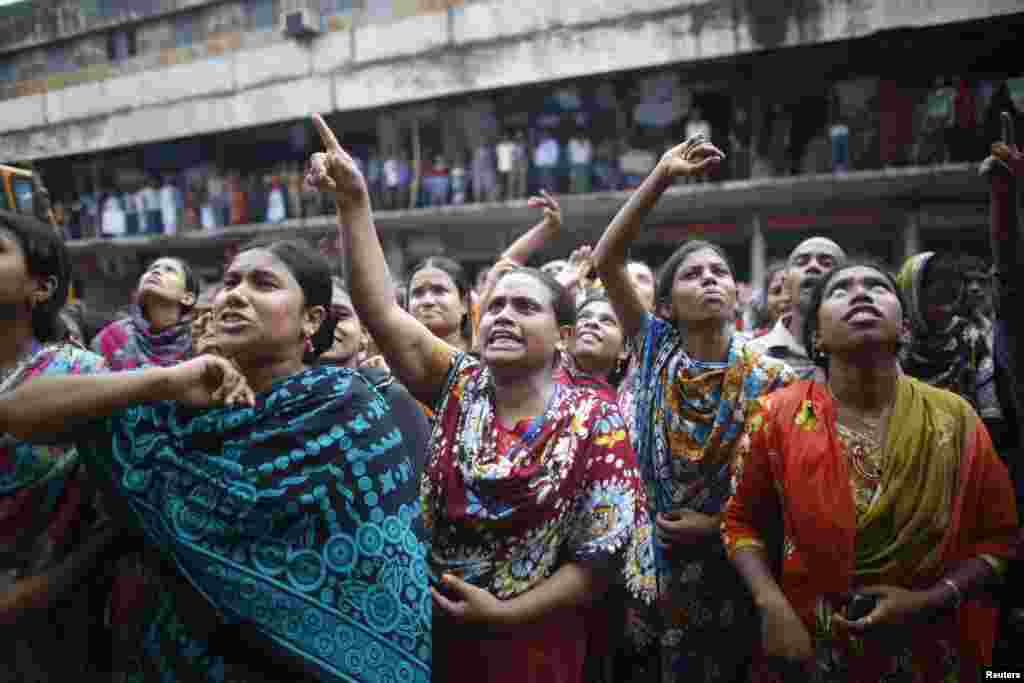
<point x="580" y="472"/>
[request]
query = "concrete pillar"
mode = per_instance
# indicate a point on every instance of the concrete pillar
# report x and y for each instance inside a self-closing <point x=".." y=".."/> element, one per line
<point x="388" y="137"/>
<point x="758" y="251"/>
<point x="911" y="235"/>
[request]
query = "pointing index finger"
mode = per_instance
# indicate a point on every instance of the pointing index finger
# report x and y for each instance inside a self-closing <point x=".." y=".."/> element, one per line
<point x="326" y="134"/>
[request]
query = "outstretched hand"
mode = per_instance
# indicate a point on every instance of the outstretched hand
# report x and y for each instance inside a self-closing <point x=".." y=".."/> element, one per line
<point x="334" y="170"/>
<point x="580" y="265"/>
<point x="468" y="603"/>
<point x="208" y="381"/>
<point x="552" y="210"/>
<point x="581" y="261"/>
<point x="693" y="157"/>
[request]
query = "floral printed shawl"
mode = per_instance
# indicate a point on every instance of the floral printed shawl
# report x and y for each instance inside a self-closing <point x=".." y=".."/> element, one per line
<point x="685" y="446"/>
<point x="41" y="493"/>
<point x="508" y="506"/>
<point x="958" y="358"/>
<point x="130" y="343"/>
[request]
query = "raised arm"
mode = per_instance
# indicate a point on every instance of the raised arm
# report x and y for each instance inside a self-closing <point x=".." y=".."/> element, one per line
<point x="534" y="239"/>
<point x="692" y="157"/>
<point x="48" y="407"/>
<point x="527" y="244"/>
<point x="1004" y="170"/>
<point x="418" y="358"/>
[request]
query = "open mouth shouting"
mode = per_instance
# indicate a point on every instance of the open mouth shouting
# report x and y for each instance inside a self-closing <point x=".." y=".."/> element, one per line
<point x="503" y="338"/>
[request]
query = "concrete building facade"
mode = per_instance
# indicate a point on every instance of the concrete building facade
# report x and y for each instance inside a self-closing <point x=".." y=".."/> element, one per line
<point x="82" y="81"/>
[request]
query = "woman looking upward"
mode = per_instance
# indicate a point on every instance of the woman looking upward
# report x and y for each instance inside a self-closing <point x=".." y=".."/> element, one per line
<point x="531" y="491"/>
<point x="696" y="385"/>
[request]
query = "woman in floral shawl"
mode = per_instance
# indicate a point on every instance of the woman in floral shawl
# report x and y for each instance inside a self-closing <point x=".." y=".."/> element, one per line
<point x="946" y="349"/>
<point x="47" y="537"/>
<point x="891" y="509"/>
<point x="531" y="493"/>
<point x="696" y="384"/>
<point x="158" y="330"/>
<point x="283" y="525"/>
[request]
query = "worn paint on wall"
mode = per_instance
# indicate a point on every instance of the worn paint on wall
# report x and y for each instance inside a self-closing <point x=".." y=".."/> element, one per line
<point x="473" y="46"/>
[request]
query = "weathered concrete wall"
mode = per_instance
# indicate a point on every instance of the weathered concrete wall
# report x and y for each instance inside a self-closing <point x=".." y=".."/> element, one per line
<point x="474" y="47"/>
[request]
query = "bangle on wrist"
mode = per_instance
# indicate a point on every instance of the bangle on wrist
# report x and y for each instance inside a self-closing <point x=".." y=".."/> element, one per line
<point x="958" y="596"/>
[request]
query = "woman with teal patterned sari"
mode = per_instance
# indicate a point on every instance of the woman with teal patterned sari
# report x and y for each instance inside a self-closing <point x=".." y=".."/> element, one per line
<point x="278" y="500"/>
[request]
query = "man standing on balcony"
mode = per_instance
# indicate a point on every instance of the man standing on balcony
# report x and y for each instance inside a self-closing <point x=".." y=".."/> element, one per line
<point x="170" y="205"/>
<point x="506" y="153"/>
<point x="545" y="158"/>
<point x="581" y="154"/>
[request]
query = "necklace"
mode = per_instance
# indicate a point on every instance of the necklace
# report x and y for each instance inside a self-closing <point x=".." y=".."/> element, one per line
<point x="864" y="437"/>
<point x="864" y="453"/>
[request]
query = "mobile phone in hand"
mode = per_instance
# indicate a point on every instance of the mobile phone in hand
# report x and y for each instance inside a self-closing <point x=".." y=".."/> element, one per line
<point x="860" y="606"/>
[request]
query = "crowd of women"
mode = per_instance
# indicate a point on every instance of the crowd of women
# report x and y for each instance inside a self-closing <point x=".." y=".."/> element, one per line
<point x="582" y="472"/>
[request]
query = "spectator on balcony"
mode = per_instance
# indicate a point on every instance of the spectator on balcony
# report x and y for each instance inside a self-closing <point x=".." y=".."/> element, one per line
<point x="132" y="212"/>
<point x="839" y="137"/>
<point x="937" y="124"/>
<point x="1000" y="102"/>
<point x="208" y="212"/>
<point x="294" y="184"/>
<point x="459" y="182"/>
<point x="193" y="201"/>
<point x="239" y="200"/>
<point x="606" y="167"/>
<point x="520" y="167"/>
<point x="90" y="213"/>
<point x="392" y="180"/>
<point x="581" y="156"/>
<point x="739" y="143"/>
<point x="506" y="153"/>
<point x="113" y="219"/>
<point x="545" y="159"/>
<point x="779" y="142"/>
<point x="171" y="205"/>
<point x="438" y="182"/>
<point x="257" y="194"/>
<point x="150" y="200"/>
<point x="220" y="199"/>
<point x="276" y="202"/>
<point x="485" y="178"/>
